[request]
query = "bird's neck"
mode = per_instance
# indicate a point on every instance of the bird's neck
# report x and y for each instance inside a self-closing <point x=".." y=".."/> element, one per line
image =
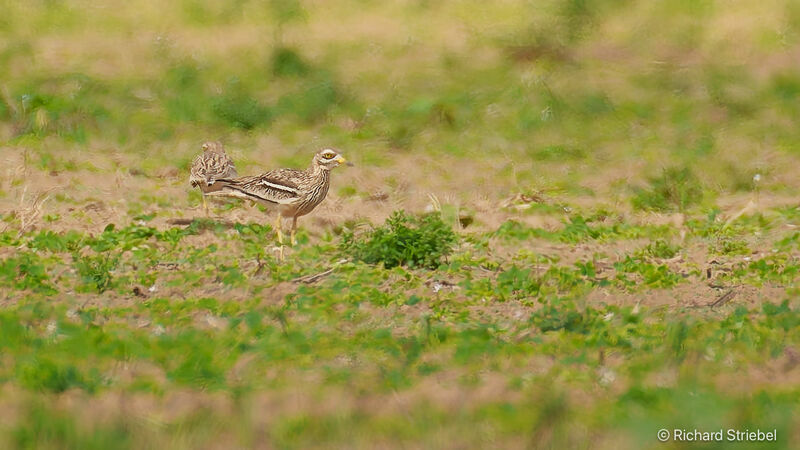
<point x="318" y="170"/>
<point x="321" y="175"/>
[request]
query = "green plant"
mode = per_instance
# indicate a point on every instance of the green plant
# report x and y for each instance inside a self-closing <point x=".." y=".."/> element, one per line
<point x="552" y="318"/>
<point x="95" y="271"/>
<point x="661" y="249"/>
<point x="516" y="283"/>
<point x="653" y="275"/>
<point x="287" y="62"/>
<point x="47" y="375"/>
<point x="675" y="189"/>
<point x="56" y="242"/>
<point x="558" y="153"/>
<point x="238" y="108"/>
<point x="26" y="271"/>
<point x="421" y="241"/>
<point x="727" y="245"/>
<point x="312" y="100"/>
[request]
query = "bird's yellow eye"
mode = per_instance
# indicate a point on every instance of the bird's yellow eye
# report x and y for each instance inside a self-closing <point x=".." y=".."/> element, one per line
<point x="328" y="155"/>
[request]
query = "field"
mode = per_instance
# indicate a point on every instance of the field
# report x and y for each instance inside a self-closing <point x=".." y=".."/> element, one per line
<point x="570" y="224"/>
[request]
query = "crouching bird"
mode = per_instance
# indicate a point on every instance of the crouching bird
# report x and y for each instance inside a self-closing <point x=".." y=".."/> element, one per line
<point x="209" y="167"/>
<point x="294" y="192"/>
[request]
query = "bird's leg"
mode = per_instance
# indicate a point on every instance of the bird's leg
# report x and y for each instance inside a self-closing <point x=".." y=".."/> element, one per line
<point x="278" y="229"/>
<point x="205" y="205"/>
<point x="294" y="231"/>
<point x="280" y="235"/>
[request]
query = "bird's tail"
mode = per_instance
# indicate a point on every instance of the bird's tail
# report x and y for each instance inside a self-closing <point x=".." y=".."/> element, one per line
<point x="221" y="186"/>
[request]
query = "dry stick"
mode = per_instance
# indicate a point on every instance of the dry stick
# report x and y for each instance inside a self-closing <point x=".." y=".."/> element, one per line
<point x="724" y="298"/>
<point x="259" y="265"/>
<point x="180" y="221"/>
<point x="308" y="279"/>
<point x="186" y="221"/>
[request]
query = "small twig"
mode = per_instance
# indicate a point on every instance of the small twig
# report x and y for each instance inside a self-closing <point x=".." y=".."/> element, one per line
<point x="308" y="279"/>
<point x="724" y="298"/>
<point x="312" y="278"/>
<point x="672" y="260"/>
<point x="260" y="265"/>
<point x="188" y="222"/>
<point x="486" y="269"/>
<point x="752" y="206"/>
<point x="180" y="221"/>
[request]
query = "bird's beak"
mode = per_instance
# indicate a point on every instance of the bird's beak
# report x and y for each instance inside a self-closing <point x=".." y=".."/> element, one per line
<point x="341" y="160"/>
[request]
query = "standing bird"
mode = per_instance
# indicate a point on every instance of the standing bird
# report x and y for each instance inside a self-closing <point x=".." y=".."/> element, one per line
<point x="295" y="192"/>
<point x="209" y="167"/>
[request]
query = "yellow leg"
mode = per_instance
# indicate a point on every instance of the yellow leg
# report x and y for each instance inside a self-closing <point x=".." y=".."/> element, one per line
<point x="280" y="235"/>
<point x="205" y="205"/>
<point x="294" y="231"/>
<point x="278" y="229"/>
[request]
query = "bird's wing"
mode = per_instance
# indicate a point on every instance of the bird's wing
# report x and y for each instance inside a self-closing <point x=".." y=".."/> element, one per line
<point x="230" y="168"/>
<point x="277" y="186"/>
<point x="211" y="166"/>
<point x="196" y="172"/>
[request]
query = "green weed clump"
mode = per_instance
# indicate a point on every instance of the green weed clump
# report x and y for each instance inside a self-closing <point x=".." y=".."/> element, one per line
<point x="26" y="271"/>
<point x="661" y="249"/>
<point x="287" y="62"/>
<point x="238" y="108"/>
<point x="312" y="101"/>
<point x="674" y="190"/>
<point x="45" y="375"/>
<point x="404" y="240"/>
<point x="95" y="271"/>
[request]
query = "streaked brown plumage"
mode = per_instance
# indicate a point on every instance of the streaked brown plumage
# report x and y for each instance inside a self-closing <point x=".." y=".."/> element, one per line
<point x="210" y="166"/>
<point x="294" y="192"/>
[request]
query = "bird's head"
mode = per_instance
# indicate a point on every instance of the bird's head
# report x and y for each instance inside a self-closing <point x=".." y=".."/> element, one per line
<point x="329" y="158"/>
<point x="213" y="146"/>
